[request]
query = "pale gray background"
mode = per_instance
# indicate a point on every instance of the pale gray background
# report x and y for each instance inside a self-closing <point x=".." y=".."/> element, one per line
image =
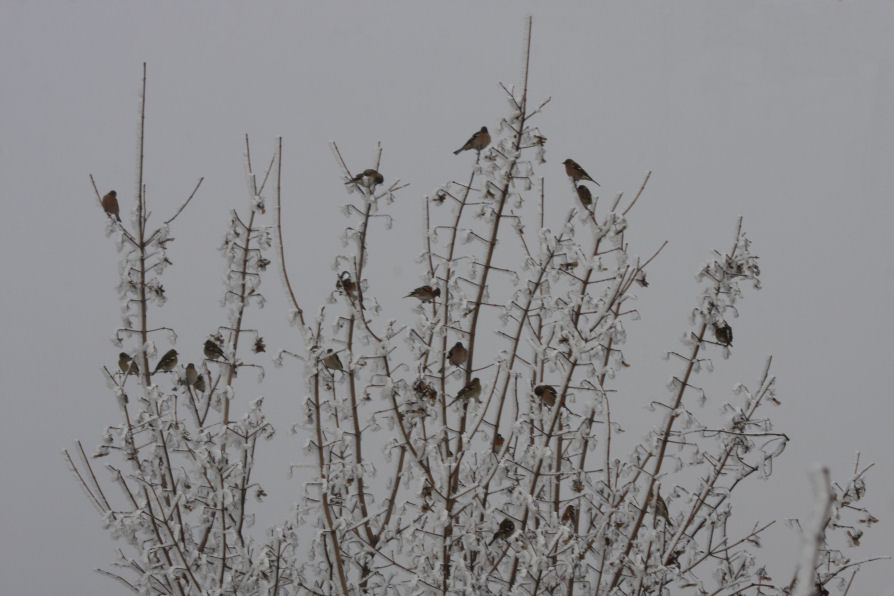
<point x="780" y="111"/>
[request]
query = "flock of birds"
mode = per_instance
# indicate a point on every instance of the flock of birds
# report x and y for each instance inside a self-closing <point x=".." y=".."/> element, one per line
<point x="458" y="354"/>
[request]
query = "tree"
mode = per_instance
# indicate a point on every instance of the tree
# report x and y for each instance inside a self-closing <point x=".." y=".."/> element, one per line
<point x="492" y="408"/>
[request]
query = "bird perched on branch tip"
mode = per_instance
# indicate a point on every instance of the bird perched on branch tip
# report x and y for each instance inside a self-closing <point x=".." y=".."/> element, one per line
<point x="575" y="172"/>
<point x="192" y="375"/>
<point x="370" y="176"/>
<point x="583" y="193"/>
<point x="126" y="364"/>
<point x="477" y="141"/>
<point x="110" y="204"/>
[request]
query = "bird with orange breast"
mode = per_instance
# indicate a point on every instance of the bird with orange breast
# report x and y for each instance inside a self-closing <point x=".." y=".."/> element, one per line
<point x="110" y="204"/>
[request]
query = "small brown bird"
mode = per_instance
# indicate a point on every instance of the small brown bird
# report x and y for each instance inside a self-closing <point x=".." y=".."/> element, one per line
<point x="192" y="375"/>
<point x="167" y="362"/>
<point x="199" y="385"/>
<point x="470" y="391"/>
<point x="345" y="284"/>
<point x="126" y="364"/>
<point x="569" y="516"/>
<point x="547" y="394"/>
<point x="661" y="507"/>
<point x="332" y="361"/>
<point x="575" y="172"/>
<point x="498" y="443"/>
<point x="583" y="193"/>
<point x="724" y="333"/>
<point x="368" y="177"/>
<point x="110" y="204"/>
<point x="507" y="527"/>
<point x="424" y="293"/>
<point x="478" y="141"/>
<point x="458" y="354"/>
<point x="213" y="351"/>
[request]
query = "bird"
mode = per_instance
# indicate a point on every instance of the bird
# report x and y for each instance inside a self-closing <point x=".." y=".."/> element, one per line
<point x="192" y="375"/>
<point x="424" y="293"/>
<point x="345" y="283"/>
<point x="547" y="394"/>
<point x="569" y="515"/>
<point x="641" y="279"/>
<point x="575" y="172"/>
<point x="199" y="385"/>
<point x="458" y="354"/>
<point x="724" y="333"/>
<point x="507" y="527"/>
<point x="661" y="507"/>
<point x="477" y="141"/>
<point x="167" y="362"/>
<point x="110" y="204"/>
<point x="471" y="390"/>
<point x="583" y="193"/>
<point x="213" y="351"/>
<point x="332" y="361"/>
<point x="126" y="364"/>
<point x="373" y="177"/>
<point x="498" y="443"/>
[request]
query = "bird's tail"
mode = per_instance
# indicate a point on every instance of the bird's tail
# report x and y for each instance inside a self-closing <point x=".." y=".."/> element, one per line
<point x="457" y="152"/>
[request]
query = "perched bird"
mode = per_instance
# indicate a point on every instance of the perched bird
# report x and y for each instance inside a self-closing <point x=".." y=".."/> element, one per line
<point x="507" y="527"/>
<point x="110" y="204"/>
<point x="724" y="333"/>
<point x="424" y="293"/>
<point x="583" y="193"/>
<point x="332" y="361"/>
<point x="126" y="364"/>
<point x="458" y="354"/>
<point x="569" y="516"/>
<point x="213" y="351"/>
<point x="498" y="443"/>
<point x="470" y="391"/>
<point x="547" y="394"/>
<point x="478" y="141"/>
<point x="199" y="385"/>
<point x="369" y="177"/>
<point x="345" y="283"/>
<point x="192" y="375"/>
<point x="661" y="508"/>
<point x="167" y="362"/>
<point x="575" y="172"/>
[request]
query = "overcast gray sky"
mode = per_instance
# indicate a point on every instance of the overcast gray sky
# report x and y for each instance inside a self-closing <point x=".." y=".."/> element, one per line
<point x="782" y="112"/>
